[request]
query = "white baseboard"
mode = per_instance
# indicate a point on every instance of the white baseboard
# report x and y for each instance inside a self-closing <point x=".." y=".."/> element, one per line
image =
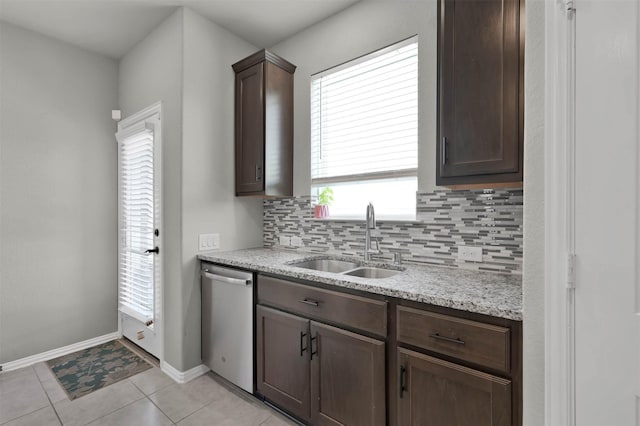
<point x="54" y="353"/>
<point x="183" y="376"/>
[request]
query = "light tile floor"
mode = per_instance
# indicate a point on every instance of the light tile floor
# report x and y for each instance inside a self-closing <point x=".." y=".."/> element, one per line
<point x="32" y="396"/>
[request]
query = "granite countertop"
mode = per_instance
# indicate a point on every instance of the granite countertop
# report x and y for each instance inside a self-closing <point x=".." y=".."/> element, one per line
<point x="499" y="295"/>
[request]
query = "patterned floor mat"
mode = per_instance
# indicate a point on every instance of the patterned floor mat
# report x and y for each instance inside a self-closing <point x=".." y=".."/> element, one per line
<point x="83" y="372"/>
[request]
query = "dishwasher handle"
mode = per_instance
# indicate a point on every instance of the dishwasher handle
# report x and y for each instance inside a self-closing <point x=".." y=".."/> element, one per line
<point x="228" y="280"/>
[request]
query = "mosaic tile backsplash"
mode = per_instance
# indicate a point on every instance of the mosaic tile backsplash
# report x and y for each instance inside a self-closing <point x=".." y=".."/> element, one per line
<point x="446" y="219"/>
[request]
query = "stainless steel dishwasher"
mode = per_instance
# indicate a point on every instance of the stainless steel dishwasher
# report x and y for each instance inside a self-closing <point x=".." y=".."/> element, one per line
<point x="227" y="323"/>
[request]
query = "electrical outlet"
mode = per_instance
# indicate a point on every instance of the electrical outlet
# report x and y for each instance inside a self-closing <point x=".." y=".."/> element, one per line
<point x="285" y="240"/>
<point x="208" y="242"/>
<point x="296" y="241"/>
<point x="473" y="254"/>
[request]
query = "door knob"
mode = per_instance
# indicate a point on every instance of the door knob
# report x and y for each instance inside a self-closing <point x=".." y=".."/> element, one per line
<point x="153" y="250"/>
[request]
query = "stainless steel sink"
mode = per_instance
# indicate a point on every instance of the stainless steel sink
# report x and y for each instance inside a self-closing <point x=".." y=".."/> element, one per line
<point x="368" y="272"/>
<point x="326" y="265"/>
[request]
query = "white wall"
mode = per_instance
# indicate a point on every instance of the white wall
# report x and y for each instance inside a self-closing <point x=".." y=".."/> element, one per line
<point x="186" y="64"/>
<point x="607" y="213"/>
<point x="361" y="29"/>
<point x="534" y="226"/>
<point x="151" y="72"/>
<point x="58" y="184"/>
<point x="209" y="203"/>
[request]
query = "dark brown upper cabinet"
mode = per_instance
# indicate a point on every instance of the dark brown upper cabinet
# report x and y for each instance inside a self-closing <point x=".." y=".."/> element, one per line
<point x="264" y="125"/>
<point x="480" y="92"/>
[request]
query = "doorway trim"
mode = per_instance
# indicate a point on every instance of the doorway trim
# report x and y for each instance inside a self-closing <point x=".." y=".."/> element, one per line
<point x="559" y="203"/>
<point x="152" y="117"/>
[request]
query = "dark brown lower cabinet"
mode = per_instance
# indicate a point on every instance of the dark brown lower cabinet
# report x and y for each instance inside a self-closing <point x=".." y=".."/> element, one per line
<point x="283" y="360"/>
<point x="436" y="392"/>
<point x="320" y="361"/>
<point x="322" y="374"/>
<point x="347" y="378"/>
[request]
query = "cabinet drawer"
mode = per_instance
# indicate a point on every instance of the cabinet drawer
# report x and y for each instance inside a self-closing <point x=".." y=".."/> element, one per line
<point x="325" y="305"/>
<point x="476" y="342"/>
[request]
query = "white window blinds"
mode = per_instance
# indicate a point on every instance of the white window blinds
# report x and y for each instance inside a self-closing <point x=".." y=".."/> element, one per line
<point x="136" y="268"/>
<point x="364" y="117"/>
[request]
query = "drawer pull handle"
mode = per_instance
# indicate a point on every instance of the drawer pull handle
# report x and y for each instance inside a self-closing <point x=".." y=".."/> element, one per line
<point x="403" y="380"/>
<point x="445" y="151"/>
<point x="310" y="302"/>
<point x="314" y="352"/>
<point x="447" y="339"/>
<point x="302" y="339"/>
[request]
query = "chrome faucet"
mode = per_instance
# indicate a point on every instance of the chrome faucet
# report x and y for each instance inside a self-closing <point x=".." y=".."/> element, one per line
<point x="368" y="243"/>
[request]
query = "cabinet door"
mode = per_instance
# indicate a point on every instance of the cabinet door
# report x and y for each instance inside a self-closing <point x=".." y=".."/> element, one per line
<point x="250" y="130"/>
<point x="283" y="360"/>
<point x="440" y="393"/>
<point x="347" y="378"/>
<point x="480" y="104"/>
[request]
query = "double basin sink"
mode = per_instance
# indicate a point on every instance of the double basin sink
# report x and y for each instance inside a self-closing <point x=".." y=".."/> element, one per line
<point x="344" y="267"/>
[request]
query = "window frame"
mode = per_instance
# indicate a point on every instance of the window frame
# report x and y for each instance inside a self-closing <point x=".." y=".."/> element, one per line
<point x="318" y="183"/>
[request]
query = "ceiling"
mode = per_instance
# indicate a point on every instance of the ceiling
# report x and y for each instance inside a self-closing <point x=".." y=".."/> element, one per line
<point x="113" y="27"/>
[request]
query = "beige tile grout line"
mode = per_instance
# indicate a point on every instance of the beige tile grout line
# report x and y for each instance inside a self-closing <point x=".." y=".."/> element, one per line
<point x="144" y="355"/>
<point x="128" y="345"/>
<point x="47" y="395"/>
<point x="147" y="357"/>
<point x="37" y="409"/>
<point x="117" y="409"/>
<point x="151" y="400"/>
<point x="97" y="418"/>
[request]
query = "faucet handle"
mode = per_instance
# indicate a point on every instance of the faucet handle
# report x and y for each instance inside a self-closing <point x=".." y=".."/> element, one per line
<point x="375" y="246"/>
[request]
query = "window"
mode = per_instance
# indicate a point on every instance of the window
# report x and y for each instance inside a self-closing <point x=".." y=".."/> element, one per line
<point x="136" y="225"/>
<point x="364" y="133"/>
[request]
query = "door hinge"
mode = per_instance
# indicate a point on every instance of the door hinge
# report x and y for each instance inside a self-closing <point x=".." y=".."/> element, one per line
<point x="571" y="270"/>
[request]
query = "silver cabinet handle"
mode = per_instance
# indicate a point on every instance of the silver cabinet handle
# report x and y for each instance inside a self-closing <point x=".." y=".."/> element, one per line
<point x="314" y="339"/>
<point x="310" y="302"/>
<point x="445" y="154"/>
<point x="228" y="280"/>
<point x="303" y="336"/>
<point x="447" y="339"/>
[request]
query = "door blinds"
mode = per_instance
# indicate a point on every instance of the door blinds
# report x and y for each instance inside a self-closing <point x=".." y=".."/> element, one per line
<point x="364" y="117"/>
<point x="136" y="268"/>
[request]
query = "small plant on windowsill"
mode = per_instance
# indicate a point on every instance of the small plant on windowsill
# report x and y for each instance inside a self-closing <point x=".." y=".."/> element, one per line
<point x="325" y="198"/>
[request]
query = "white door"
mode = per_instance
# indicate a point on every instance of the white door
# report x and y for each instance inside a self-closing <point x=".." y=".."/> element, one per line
<point x="607" y="297"/>
<point x="139" y="258"/>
